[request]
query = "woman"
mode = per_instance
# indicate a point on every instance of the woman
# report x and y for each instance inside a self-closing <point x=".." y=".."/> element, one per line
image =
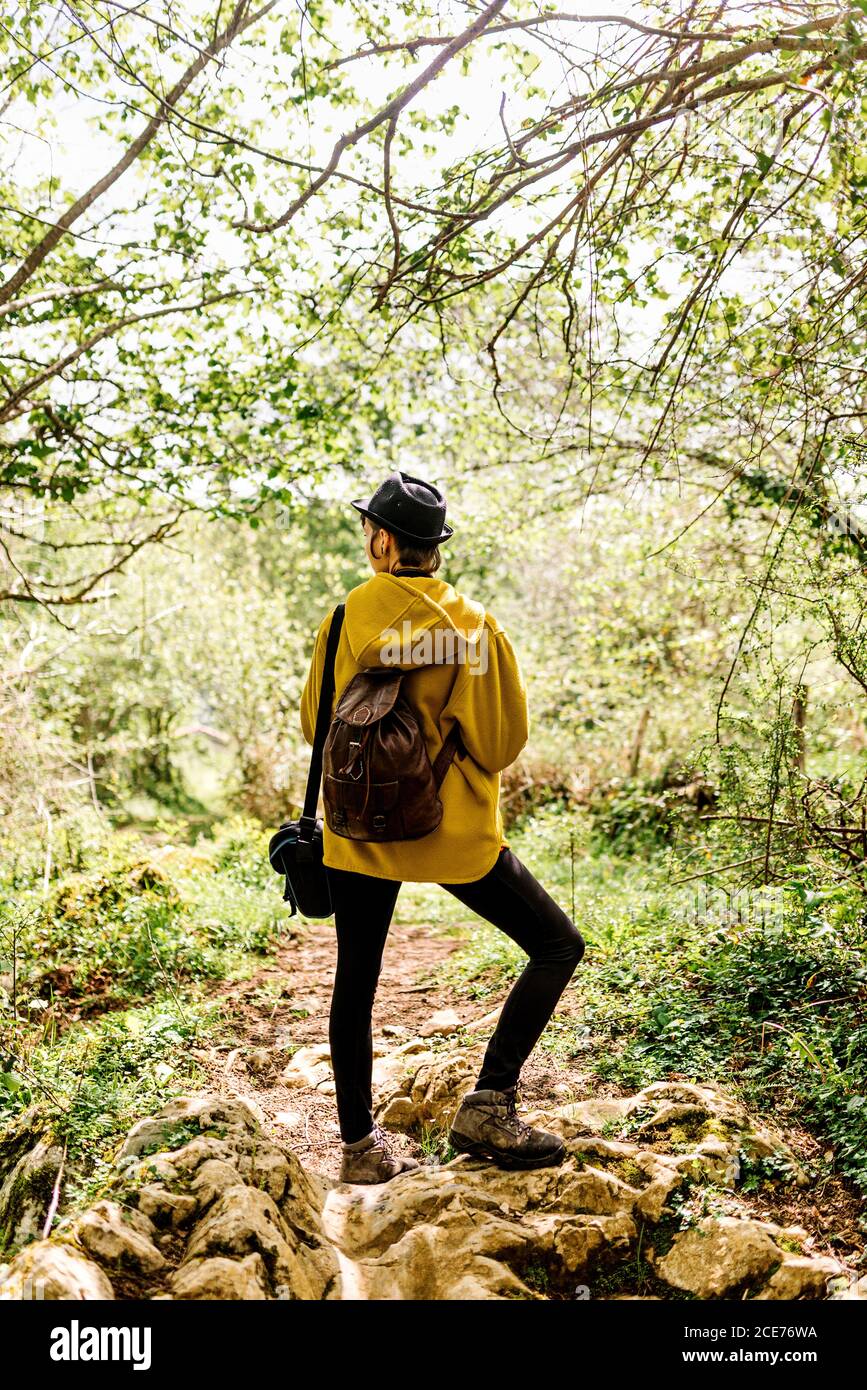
<point x="470" y="677"/>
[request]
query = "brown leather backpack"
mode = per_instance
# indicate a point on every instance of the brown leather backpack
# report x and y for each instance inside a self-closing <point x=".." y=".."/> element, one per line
<point x="379" y="782"/>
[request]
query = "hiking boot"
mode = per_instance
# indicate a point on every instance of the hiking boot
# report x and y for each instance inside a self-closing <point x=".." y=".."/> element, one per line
<point x="487" y="1125"/>
<point x="371" y="1159"/>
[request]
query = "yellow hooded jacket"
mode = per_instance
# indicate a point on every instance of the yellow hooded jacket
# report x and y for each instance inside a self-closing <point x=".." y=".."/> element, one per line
<point x="483" y="691"/>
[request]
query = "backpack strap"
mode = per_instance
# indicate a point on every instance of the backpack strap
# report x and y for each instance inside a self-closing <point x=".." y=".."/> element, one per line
<point x="307" y="824"/>
<point x="442" y="762"/>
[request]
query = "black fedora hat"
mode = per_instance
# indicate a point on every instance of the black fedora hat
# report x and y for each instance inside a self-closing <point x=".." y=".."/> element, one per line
<point x="410" y="507"/>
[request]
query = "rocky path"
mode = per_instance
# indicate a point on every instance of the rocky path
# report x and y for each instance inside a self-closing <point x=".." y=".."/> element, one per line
<point x="233" y="1193"/>
<point x="285" y="1007"/>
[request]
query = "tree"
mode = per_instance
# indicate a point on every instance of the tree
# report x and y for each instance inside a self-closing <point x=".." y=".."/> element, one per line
<point x="151" y="359"/>
<point x="657" y="254"/>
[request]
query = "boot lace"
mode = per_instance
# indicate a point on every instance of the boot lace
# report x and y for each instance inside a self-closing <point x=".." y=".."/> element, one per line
<point x="381" y="1138"/>
<point x="522" y="1130"/>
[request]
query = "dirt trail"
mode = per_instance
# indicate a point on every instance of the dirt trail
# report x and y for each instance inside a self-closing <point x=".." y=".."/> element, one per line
<point x="289" y="1002"/>
<point x="286" y="1006"/>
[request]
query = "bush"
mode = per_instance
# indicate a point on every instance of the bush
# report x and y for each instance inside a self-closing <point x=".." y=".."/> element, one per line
<point x="240" y="849"/>
<point x="142" y="920"/>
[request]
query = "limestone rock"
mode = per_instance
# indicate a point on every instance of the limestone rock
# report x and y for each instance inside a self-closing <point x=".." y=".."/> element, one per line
<point x="119" y="1238"/>
<point x="758" y="1142"/>
<point x="413" y="1048"/>
<point x="651" y="1203"/>
<point x="288" y="1119"/>
<point x="578" y="1244"/>
<point x="610" y="1148"/>
<point x="30" y="1160"/>
<point x="221" y="1278"/>
<point x="718" y="1256"/>
<point x="253" y="1209"/>
<point x="412" y="1085"/>
<point x="443" y="1022"/>
<point x="263" y="1059"/>
<point x="311" y="1066"/>
<point x="707" y="1096"/>
<point x="801" y="1276"/>
<point x="165" y="1208"/>
<point x="393" y="1073"/>
<point x="432" y="1091"/>
<point x="48" y="1269"/>
<point x="244" y="1221"/>
<point x="716" y="1114"/>
<point x="268" y="1168"/>
<point x="487" y="1023"/>
<point x="587" y="1116"/>
<point x="187" y="1159"/>
<point x="186" y="1115"/>
<point x="259" y="1225"/>
<point x="713" y="1123"/>
<point x="213" y="1177"/>
<point x="471" y="1229"/>
<point x="397" y="1113"/>
<point x="713" y="1159"/>
<point x="846" y="1287"/>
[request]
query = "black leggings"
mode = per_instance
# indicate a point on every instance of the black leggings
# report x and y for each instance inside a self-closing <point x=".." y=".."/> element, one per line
<point x="507" y="896"/>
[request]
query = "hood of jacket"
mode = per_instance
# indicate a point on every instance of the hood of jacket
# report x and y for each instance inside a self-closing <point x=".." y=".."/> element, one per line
<point x="406" y="621"/>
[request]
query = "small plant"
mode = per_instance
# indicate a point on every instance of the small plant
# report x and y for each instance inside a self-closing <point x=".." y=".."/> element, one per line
<point x="434" y="1144"/>
<point x="757" y="1173"/>
<point x="536" y="1277"/>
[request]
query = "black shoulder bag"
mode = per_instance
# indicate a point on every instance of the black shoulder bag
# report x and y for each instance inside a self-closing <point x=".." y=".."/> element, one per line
<point x="296" y="849"/>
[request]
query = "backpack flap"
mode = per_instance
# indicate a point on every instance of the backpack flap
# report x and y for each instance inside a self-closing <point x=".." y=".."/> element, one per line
<point x="369" y="696"/>
<point x="367" y="699"/>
